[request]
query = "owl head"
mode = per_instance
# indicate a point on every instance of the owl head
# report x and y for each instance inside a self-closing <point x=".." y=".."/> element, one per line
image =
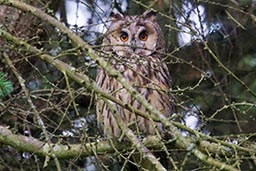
<point x="129" y="35"/>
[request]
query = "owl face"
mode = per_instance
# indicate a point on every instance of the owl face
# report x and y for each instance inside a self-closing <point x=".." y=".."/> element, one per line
<point x="129" y="35"/>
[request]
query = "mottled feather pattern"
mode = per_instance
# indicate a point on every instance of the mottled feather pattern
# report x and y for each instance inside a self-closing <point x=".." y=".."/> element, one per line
<point x="150" y="80"/>
<point x="140" y="63"/>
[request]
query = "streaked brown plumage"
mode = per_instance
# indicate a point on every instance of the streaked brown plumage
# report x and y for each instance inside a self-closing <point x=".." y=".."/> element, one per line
<point x="133" y="46"/>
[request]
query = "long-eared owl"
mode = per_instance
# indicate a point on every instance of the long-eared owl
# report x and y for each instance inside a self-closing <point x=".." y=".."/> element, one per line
<point x="134" y="46"/>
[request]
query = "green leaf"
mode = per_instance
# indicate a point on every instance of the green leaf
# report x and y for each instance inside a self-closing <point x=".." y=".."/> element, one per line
<point x="5" y="86"/>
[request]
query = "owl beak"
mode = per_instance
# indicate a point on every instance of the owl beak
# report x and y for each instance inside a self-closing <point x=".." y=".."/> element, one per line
<point x="133" y="48"/>
<point x="133" y="45"/>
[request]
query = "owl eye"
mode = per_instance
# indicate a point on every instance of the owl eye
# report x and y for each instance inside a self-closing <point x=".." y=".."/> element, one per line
<point x="143" y="36"/>
<point x="123" y="36"/>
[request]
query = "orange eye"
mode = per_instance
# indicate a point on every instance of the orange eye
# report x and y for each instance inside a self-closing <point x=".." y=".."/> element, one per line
<point x="123" y="36"/>
<point x="143" y="36"/>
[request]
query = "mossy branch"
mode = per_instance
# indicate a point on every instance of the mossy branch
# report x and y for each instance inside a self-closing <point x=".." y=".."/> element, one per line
<point x="41" y="148"/>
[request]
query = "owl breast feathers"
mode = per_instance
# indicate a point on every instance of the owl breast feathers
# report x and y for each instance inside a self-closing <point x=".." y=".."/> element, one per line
<point x="133" y="45"/>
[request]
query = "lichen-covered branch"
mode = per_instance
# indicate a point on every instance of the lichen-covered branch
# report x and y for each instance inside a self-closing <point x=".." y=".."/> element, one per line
<point x="40" y="148"/>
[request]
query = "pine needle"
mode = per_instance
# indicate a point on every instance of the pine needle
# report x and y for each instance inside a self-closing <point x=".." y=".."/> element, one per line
<point x="5" y="86"/>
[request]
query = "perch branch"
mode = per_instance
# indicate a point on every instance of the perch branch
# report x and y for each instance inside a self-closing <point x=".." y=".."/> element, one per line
<point x="40" y="148"/>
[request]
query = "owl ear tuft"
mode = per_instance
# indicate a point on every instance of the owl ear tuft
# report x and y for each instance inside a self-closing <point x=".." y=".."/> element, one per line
<point x="116" y="16"/>
<point x="150" y="14"/>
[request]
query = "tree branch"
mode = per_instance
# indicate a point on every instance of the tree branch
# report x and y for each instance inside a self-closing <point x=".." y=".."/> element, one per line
<point x="40" y="148"/>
